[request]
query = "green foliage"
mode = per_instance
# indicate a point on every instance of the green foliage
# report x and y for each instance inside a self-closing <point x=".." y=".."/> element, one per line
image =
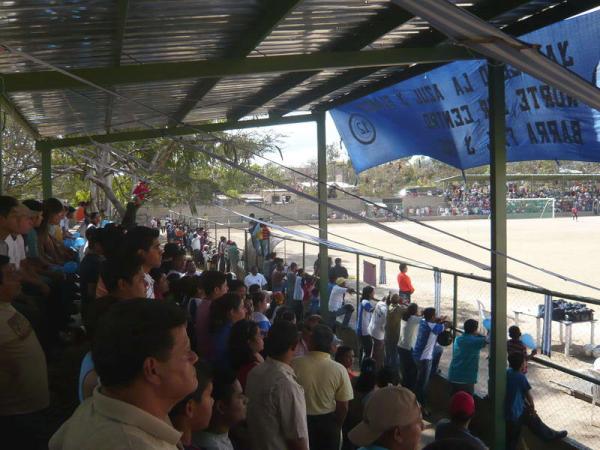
<point x="81" y="196"/>
<point x="176" y="170"/>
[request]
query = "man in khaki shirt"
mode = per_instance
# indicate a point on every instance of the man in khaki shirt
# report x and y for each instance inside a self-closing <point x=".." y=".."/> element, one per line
<point x="276" y="408"/>
<point x="327" y="390"/>
<point x="143" y="358"/>
<point x="23" y="372"/>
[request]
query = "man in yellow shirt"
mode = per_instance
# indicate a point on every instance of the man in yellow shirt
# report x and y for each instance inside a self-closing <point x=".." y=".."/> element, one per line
<point x="327" y="390"/>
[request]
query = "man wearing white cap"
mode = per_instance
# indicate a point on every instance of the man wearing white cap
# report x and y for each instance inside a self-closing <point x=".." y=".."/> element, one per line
<point x="391" y="421"/>
<point x="337" y="303"/>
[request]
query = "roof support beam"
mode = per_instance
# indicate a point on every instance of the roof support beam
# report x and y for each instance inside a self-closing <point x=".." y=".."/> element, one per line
<point x="359" y="38"/>
<point x="154" y="133"/>
<point x="486" y="12"/>
<point x="275" y="11"/>
<point x="122" y="7"/>
<point x="16" y="115"/>
<point x="146" y="73"/>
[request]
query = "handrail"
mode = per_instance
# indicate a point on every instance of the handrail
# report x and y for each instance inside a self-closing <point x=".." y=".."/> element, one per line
<point x="471" y="276"/>
<point x="566" y="370"/>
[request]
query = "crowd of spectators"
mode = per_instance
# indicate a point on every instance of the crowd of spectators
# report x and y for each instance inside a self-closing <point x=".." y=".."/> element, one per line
<point x="475" y="199"/>
<point x="189" y="351"/>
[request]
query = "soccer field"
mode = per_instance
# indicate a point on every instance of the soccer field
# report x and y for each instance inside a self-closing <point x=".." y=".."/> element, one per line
<point x="561" y="245"/>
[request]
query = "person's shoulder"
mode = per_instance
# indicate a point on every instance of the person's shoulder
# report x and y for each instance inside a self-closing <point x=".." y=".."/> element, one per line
<point x="476" y="441"/>
<point x="88" y="430"/>
<point x="338" y="368"/>
<point x="14" y="326"/>
<point x="442" y="423"/>
<point x="415" y="320"/>
<point x="305" y="362"/>
<point x="441" y="428"/>
<point x="297" y="362"/>
<point x="515" y="376"/>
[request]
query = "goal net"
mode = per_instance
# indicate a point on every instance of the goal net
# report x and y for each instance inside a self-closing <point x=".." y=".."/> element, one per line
<point x="541" y="208"/>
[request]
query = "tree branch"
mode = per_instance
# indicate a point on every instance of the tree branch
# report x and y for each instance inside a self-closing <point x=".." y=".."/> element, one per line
<point x="108" y="192"/>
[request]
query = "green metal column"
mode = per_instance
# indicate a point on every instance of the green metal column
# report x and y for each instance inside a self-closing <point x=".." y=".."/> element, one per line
<point x="304" y="256"/>
<point x="357" y="281"/>
<point x="46" y="153"/>
<point x="322" y="194"/>
<point x="455" y="305"/>
<point x="1" y="157"/>
<point x="498" y="243"/>
<point x="246" y="251"/>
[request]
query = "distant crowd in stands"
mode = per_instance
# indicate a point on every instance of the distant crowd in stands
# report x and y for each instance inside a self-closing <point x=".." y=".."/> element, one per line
<point x="475" y="200"/>
<point x="188" y="350"/>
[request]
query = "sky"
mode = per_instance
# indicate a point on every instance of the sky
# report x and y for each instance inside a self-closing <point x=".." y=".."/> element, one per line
<point x="298" y="142"/>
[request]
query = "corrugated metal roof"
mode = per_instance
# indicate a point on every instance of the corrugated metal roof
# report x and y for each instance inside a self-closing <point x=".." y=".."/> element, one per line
<point x="78" y="34"/>
<point x="315" y="24"/>
<point x="413" y="29"/>
<point x="159" y="30"/>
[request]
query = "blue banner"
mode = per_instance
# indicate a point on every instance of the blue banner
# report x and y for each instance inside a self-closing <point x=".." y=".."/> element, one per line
<point x="444" y="113"/>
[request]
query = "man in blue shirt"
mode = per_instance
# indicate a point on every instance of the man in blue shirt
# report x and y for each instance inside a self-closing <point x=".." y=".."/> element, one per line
<point x="429" y="329"/>
<point x="464" y="366"/>
<point x="519" y="407"/>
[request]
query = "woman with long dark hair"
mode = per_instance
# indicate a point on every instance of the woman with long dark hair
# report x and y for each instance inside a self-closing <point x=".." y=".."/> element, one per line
<point x="365" y="309"/>
<point x="245" y="344"/>
<point x="225" y="311"/>
<point x="408" y="335"/>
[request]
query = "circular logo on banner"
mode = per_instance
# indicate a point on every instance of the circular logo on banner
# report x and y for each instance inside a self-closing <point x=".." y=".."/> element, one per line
<point x="362" y="129"/>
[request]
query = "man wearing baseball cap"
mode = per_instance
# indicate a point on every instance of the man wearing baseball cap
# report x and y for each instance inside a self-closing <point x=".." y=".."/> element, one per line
<point x="391" y="421"/>
<point x="337" y="304"/>
<point x="462" y="409"/>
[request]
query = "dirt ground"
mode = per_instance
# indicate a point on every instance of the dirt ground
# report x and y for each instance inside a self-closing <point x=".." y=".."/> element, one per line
<point x="561" y="245"/>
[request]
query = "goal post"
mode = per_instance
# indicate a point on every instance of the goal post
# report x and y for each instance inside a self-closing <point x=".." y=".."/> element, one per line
<point x="530" y="208"/>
